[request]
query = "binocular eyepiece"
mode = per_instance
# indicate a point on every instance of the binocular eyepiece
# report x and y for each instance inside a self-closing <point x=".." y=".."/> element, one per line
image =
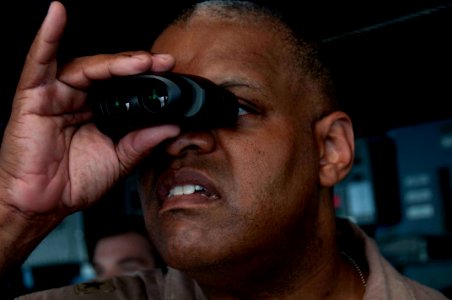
<point x="124" y="104"/>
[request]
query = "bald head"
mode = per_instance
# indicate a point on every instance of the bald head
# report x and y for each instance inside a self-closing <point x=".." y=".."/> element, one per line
<point x="300" y="55"/>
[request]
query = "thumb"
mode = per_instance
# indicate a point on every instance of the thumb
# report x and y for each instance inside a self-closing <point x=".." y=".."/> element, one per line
<point x="136" y="145"/>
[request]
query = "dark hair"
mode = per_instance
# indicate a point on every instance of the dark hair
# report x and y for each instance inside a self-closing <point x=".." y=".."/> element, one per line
<point x="124" y="225"/>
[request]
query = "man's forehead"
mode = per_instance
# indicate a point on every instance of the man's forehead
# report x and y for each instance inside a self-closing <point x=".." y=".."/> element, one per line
<point x="217" y="30"/>
<point x="214" y="43"/>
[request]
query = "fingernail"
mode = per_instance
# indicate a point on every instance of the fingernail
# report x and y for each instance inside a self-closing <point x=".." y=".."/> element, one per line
<point x="140" y="56"/>
<point x="162" y="56"/>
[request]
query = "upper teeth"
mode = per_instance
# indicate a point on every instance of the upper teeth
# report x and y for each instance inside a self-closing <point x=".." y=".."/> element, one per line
<point x="187" y="189"/>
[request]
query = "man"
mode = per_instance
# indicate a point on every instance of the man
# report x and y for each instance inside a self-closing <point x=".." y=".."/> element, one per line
<point x="123" y="249"/>
<point x="254" y="219"/>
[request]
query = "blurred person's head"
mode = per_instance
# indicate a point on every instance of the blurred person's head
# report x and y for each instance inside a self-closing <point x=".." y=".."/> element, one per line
<point x="121" y="254"/>
<point x="123" y="250"/>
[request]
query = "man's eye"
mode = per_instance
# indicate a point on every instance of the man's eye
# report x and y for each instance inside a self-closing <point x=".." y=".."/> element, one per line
<point x="242" y="111"/>
<point x="245" y="109"/>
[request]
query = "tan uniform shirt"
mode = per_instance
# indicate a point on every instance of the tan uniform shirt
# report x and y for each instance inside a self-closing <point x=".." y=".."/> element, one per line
<point x="383" y="283"/>
<point x="151" y="284"/>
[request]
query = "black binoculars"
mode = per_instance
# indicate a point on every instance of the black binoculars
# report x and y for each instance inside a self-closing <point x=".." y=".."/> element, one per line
<point x="124" y="104"/>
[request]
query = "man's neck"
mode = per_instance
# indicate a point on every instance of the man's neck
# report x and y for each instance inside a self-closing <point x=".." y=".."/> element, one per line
<point x="323" y="277"/>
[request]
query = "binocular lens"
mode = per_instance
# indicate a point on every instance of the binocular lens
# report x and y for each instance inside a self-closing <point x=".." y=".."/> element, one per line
<point x="123" y="104"/>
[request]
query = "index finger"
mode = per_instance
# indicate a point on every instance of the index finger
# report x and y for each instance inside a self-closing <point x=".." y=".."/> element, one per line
<point x="40" y="65"/>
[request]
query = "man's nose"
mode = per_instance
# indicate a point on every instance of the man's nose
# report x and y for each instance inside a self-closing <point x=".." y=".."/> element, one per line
<point x="192" y="141"/>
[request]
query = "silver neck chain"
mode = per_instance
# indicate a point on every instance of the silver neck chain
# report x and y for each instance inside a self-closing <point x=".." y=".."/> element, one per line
<point x="357" y="268"/>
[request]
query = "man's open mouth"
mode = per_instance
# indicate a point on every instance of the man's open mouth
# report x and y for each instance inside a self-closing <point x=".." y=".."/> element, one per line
<point x="188" y="189"/>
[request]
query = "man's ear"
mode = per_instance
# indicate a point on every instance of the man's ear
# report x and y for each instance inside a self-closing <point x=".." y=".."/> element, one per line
<point x="335" y="140"/>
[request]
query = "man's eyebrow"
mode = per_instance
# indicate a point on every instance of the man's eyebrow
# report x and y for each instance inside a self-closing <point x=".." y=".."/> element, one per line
<point x="230" y="83"/>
